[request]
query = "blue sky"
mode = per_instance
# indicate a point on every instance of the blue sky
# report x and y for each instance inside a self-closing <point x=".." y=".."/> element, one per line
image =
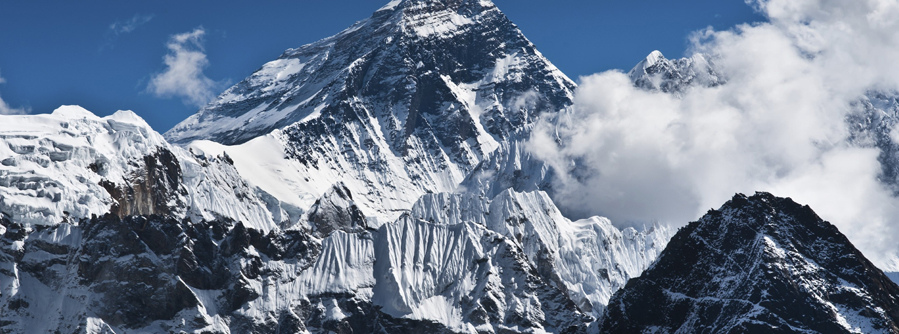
<point x="102" y="54"/>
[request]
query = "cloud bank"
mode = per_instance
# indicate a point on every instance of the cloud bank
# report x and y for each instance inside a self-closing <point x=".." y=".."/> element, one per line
<point x="777" y="125"/>
<point x="5" y="109"/>
<point x="183" y="76"/>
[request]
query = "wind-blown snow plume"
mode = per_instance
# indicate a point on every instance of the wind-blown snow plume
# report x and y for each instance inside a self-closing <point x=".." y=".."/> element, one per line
<point x="183" y="76"/>
<point x="778" y="125"/>
<point x="5" y="109"/>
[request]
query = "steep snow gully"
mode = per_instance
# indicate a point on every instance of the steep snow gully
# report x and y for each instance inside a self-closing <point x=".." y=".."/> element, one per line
<point x="378" y="181"/>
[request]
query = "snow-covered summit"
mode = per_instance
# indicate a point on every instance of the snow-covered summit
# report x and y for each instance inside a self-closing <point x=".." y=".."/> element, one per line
<point x="401" y="104"/>
<point x="420" y="53"/>
<point x="651" y="60"/>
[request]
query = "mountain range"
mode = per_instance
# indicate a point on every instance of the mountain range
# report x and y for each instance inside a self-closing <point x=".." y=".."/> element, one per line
<point x="380" y="181"/>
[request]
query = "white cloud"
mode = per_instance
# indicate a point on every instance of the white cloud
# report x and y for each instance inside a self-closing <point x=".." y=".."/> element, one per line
<point x="183" y="76"/>
<point x="119" y="28"/>
<point x="778" y="125"/>
<point x="5" y="109"/>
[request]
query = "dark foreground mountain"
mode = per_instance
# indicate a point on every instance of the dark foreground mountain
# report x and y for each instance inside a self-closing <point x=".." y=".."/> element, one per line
<point x="759" y="264"/>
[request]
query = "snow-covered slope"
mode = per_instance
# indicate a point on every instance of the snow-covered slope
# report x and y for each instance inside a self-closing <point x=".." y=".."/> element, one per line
<point x="407" y="63"/>
<point x="401" y="104"/>
<point x="48" y="162"/>
<point x="376" y="181"/>
<point x="71" y="165"/>
<point x="759" y="264"/>
<point x="511" y="166"/>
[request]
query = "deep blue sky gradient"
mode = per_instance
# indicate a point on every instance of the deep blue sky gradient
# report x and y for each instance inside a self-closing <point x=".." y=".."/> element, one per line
<point x="61" y="52"/>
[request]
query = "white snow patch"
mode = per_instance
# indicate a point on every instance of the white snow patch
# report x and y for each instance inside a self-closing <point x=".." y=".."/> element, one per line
<point x="390" y="5"/>
<point x="276" y="71"/>
<point x="316" y="113"/>
<point x="333" y="311"/>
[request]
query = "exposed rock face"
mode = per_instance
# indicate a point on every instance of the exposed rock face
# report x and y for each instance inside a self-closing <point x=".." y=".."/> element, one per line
<point x="335" y="211"/>
<point x="144" y="273"/>
<point x="758" y="264"/>
<point x="413" y="65"/>
<point x="207" y="252"/>
<point x="154" y="189"/>
<point x="455" y="263"/>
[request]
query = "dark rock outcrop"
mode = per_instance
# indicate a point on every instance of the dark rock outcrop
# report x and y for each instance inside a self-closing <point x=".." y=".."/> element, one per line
<point x="335" y="211"/>
<point x="151" y="190"/>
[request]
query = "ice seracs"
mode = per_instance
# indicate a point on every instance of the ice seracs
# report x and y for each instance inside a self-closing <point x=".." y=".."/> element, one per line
<point x="589" y="259"/>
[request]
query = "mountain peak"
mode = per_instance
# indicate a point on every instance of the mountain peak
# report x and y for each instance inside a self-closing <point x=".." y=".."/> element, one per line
<point x="394" y="4"/>
<point x="465" y="42"/>
<point x="73" y="112"/>
<point x="422" y="90"/>
<point x="758" y="264"/>
<point x="653" y="58"/>
<point x="428" y="18"/>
